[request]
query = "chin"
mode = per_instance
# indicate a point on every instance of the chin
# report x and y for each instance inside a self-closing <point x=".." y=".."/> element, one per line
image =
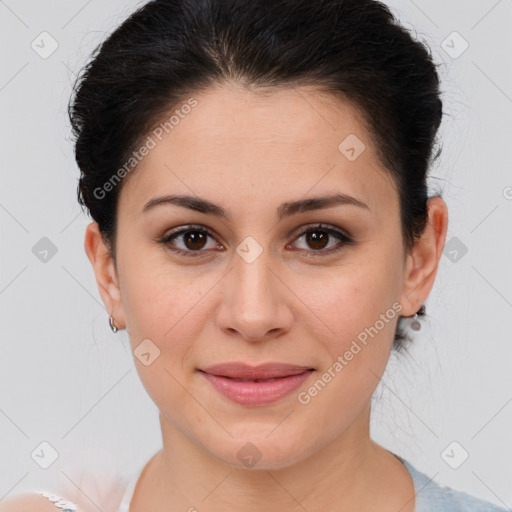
<point x="262" y="451"/>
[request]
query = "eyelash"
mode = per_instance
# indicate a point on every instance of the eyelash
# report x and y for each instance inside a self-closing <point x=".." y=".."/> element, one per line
<point x="346" y="240"/>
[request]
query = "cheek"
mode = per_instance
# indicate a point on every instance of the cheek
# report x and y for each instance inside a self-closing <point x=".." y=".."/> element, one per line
<point x="158" y="299"/>
<point x="162" y="310"/>
<point x="359" y="304"/>
<point x="361" y="310"/>
<point x="355" y="296"/>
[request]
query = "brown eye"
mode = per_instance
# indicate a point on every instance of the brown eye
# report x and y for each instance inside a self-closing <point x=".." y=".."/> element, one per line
<point x="195" y="240"/>
<point x="317" y="240"/>
<point x="192" y="241"/>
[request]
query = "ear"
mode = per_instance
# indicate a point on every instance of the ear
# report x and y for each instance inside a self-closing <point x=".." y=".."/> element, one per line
<point x="423" y="259"/>
<point x="100" y="256"/>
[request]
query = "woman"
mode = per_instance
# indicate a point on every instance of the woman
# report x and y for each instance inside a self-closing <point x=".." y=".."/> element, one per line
<point x="256" y="172"/>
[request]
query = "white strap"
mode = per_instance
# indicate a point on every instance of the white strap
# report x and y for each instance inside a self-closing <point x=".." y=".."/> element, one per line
<point x="65" y="506"/>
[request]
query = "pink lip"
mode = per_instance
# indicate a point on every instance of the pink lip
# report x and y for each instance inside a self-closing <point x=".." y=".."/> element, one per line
<point x="256" y="385"/>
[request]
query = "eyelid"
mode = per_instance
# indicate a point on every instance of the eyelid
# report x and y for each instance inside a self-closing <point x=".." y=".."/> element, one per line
<point x="332" y="230"/>
<point x="342" y="235"/>
<point x="166" y="238"/>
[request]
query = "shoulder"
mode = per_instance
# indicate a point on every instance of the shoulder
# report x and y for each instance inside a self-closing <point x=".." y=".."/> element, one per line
<point x="430" y="496"/>
<point x="452" y="500"/>
<point x="31" y="502"/>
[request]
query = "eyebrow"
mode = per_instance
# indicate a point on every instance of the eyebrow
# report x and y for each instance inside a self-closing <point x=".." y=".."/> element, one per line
<point x="285" y="210"/>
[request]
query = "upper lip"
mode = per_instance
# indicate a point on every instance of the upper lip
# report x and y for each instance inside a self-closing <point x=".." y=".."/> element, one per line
<point x="262" y="371"/>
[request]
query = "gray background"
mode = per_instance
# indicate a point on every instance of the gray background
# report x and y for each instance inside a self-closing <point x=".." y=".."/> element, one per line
<point x="65" y="379"/>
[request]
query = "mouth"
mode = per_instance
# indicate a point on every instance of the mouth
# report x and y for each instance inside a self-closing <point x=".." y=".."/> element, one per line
<point x="256" y="385"/>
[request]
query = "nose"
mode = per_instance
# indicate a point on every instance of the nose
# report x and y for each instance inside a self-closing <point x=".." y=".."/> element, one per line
<point x="255" y="301"/>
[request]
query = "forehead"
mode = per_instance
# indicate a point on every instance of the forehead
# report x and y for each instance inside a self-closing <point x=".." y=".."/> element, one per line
<point x="278" y="118"/>
<point x="283" y="139"/>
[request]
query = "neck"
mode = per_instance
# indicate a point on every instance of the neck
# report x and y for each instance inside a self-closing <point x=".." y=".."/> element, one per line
<point x="349" y="473"/>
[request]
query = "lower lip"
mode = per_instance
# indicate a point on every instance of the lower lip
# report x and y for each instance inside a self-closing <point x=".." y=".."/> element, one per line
<point x="256" y="393"/>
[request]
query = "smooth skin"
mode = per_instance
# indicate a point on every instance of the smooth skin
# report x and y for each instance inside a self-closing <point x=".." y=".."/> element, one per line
<point x="248" y="153"/>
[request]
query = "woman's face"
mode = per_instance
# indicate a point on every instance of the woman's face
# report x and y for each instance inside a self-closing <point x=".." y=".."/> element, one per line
<point x="252" y="288"/>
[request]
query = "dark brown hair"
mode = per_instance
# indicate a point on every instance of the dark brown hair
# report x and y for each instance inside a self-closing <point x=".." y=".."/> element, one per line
<point x="170" y="49"/>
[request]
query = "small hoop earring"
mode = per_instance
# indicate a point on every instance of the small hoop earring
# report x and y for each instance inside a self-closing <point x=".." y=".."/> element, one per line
<point x="113" y="326"/>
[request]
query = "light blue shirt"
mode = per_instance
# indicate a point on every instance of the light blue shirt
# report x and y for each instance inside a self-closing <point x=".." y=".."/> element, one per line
<point x="431" y="497"/>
